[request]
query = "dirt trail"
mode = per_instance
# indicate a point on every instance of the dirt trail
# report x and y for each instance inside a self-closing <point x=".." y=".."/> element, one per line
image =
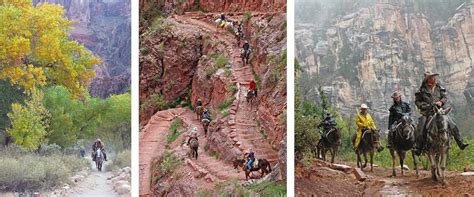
<point x="152" y="144"/>
<point x="243" y="127"/>
<point x="95" y="184"/>
<point x="378" y="183"/>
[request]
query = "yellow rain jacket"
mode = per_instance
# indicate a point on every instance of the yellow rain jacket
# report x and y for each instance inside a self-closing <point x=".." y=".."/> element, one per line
<point x="361" y="122"/>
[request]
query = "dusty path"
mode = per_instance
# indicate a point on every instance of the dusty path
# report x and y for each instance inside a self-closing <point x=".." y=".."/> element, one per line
<point x="378" y="183"/>
<point x="242" y="117"/>
<point x="95" y="184"/>
<point x="244" y="128"/>
<point x="152" y="144"/>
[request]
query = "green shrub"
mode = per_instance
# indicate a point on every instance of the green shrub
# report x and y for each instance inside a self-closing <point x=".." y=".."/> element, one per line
<point x="232" y="88"/>
<point x="169" y="162"/>
<point x="158" y="102"/>
<point x="145" y="51"/>
<point x="226" y="104"/>
<point x="174" y="132"/>
<point x="269" y="188"/>
<point x="121" y="160"/>
<point x="31" y="172"/>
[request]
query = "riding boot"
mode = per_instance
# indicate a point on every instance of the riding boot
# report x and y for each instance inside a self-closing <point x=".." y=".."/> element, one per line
<point x="389" y="139"/>
<point x="457" y="137"/>
<point x="420" y="139"/>
<point x="105" y="156"/>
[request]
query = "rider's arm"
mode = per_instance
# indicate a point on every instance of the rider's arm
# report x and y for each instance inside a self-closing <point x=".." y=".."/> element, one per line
<point x="359" y="122"/>
<point x="420" y="103"/>
<point x="443" y="95"/>
<point x="390" y="119"/>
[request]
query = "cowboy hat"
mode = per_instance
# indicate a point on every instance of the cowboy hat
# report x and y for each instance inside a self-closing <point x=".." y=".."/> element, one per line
<point x="430" y="74"/>
<point x="364" y="106"/>
<point x="396" y="94"/>
<point x="195" y="129"/>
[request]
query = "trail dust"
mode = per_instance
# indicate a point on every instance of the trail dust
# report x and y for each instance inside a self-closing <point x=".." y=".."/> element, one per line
<point x="95" y="184"/>
<point x="378" y="183"/>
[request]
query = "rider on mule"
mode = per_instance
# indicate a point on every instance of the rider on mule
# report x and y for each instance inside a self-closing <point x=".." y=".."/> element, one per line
<point x="98" y="144"/>
<point x="253" y="87"/>
<point x="430" y="94"/>
<point x="250" y="155"/>
<point x="192" y="135"/>
<point x="327" y="123"/>
<point x="198" y="103"/>
<point x="363" y="121"/>
<point x="206" y="115"/>
<point x="397" y="110"/>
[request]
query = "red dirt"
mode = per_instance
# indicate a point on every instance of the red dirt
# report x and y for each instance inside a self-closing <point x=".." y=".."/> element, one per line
<point x="322" y="181"/>
<point x="241" y="120"/>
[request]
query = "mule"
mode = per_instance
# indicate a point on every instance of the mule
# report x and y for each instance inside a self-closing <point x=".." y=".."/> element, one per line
<point x="438" y="140"/>
<point x="205" y="125"/>
<point x="330" y="141"/>
<point x="239" y="35"/>
<point x="223" y="24"/>
<point x="370" y="141"/>
<point x="263" y="166"/>
<point x="403" y="140"/>
<point x="99" y="159"/>
<point x="194" y="146"/>
<point x="245" y="55"/>
<point x="250" y="98"/>
<point x="199" y="110"/>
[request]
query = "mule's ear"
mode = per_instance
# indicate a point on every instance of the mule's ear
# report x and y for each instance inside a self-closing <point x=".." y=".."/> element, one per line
<point x="448" y="110"/>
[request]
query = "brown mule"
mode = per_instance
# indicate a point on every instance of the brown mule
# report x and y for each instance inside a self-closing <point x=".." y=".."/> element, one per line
<point x="263" y="165"/>
<point x="369" y="142"/>
<point x="194" y="145"/>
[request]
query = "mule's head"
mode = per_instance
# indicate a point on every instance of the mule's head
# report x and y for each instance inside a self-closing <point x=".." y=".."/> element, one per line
<point x="98" y="153"/>
<point x="375" y="138"/>
<point x="237" y="163"/>
<point x="442" y="119"/>
<point x="406" y="128"/>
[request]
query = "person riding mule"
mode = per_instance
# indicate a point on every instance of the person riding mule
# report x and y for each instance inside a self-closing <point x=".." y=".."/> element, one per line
<point x="430" y="95"/>
<point x="364" y="122"/>
<point x="327" y="124"/>
<point x="250" y="156"/>
<point x="252" y="88"/>
<point x="193" y="134"/>
<point x="246" y="52"/>
<point x="397" y="111"/>
<point x="206" y="116"/>
<point x="330" y="138"/>
<point x="198" y="109"/>
<point x="98" y="144"/>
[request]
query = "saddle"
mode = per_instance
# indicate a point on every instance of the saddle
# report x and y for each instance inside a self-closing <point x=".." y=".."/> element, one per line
<point x="255" y="163"/>
<point x="206" y="120"/>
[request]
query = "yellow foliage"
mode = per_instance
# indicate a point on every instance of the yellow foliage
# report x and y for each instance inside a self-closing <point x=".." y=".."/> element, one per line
<point x="36" y="50"/>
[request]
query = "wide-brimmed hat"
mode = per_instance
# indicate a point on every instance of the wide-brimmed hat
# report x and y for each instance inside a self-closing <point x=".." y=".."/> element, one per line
<point x="195" y="129"/>
<point x="396" y="94"/>
<point x="430" y="74"/>
<point x="364" y="106"/>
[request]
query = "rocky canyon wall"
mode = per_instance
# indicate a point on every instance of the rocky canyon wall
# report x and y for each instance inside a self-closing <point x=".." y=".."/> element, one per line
<point x="104" y="27"/>
<point x="362" y="57"/>
<point x="218" y="5"/>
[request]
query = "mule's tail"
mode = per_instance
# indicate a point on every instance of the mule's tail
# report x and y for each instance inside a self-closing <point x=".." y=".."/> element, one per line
<point x="269" y="167"/>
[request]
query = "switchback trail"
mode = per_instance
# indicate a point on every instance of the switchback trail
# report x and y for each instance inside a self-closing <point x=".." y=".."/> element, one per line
<point x="242" y="119"/>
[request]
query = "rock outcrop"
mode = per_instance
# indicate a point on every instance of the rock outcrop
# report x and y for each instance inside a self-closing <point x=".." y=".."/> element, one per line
<point x="362" y="57"/>
<point x="217" y="5"/>
<point x="104" y="27"/>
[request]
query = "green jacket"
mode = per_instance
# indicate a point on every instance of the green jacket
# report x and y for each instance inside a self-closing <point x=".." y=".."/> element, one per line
<point x="424" y="99"/>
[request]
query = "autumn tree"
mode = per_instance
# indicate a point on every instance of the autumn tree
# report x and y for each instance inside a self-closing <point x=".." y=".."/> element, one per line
<point x="35" y="48"/>
<point x="29" y="122"/>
